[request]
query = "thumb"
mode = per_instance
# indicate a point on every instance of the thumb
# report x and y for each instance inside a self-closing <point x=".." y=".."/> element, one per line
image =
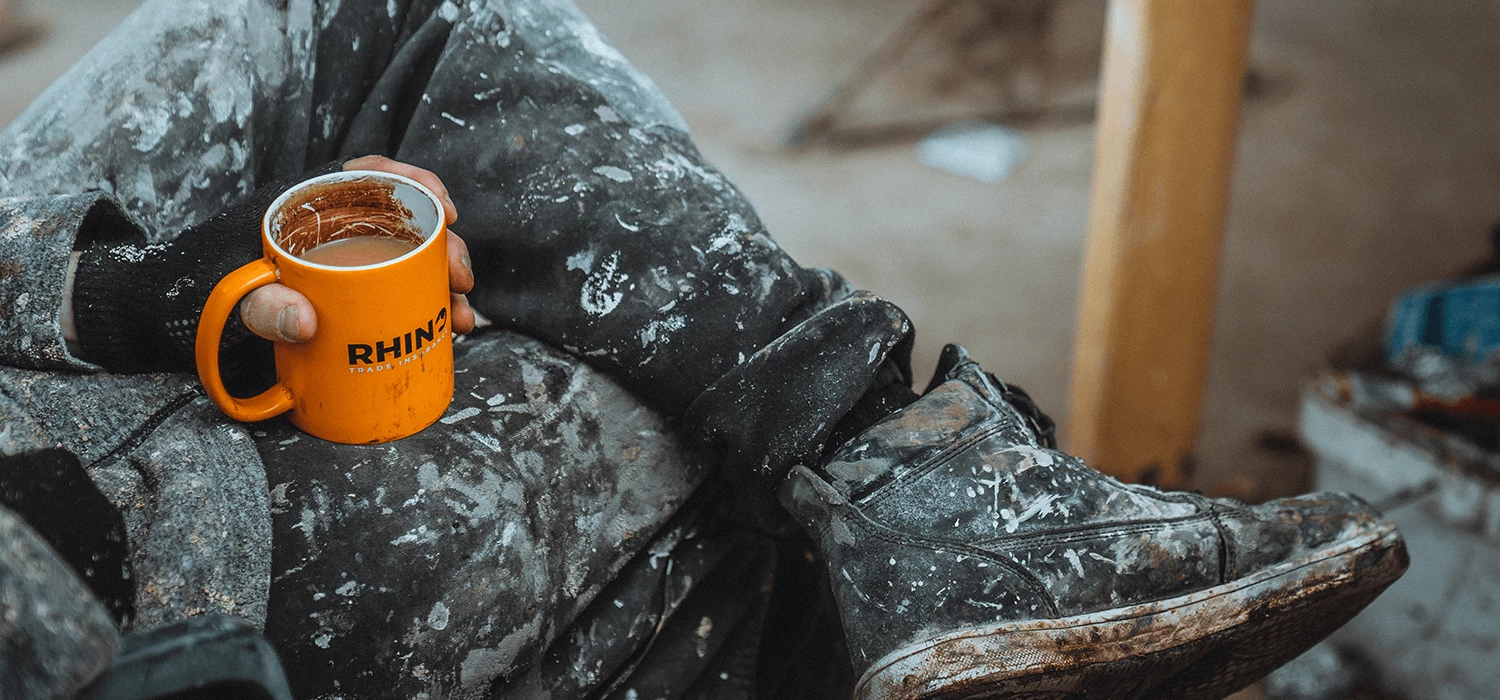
<point x="277" y="312"/>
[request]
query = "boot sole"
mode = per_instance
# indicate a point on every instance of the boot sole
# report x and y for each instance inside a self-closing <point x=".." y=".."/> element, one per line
<point x="1200" y="646"/>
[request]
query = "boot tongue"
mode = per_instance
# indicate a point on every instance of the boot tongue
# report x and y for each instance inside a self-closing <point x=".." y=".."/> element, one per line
<point x="949" y="365"/>
<point x="952" y="364"/>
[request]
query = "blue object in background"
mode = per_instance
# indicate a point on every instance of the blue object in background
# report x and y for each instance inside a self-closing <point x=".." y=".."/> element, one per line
<point x="1460" y="319"/>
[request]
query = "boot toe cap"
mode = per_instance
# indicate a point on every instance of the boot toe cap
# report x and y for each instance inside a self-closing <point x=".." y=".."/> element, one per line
<point x="1289" y="528"/>
<point x="1324" y="519"/>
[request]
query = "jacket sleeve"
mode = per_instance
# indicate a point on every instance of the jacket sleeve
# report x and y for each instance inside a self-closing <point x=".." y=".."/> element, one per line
<point x="37" y="234"/>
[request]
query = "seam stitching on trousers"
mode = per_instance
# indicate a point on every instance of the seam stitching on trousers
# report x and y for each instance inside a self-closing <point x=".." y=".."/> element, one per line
<point x="148" y="427"/>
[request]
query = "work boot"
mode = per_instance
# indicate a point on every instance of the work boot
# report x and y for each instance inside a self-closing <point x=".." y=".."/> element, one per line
<point x="970" y="559"/>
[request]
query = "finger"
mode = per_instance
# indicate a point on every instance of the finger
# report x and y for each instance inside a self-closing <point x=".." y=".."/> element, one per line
<point x="463" y="314"/>
<point x="460" y="267"/>
<point x="428" y="179"/>
<point x="277" y="312"/>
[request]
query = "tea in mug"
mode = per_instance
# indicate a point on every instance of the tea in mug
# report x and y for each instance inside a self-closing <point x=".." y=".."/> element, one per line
<point x="358" y="251"/>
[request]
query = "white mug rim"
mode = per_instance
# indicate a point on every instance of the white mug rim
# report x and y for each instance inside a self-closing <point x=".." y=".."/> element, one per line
<point x="341" y="176"/>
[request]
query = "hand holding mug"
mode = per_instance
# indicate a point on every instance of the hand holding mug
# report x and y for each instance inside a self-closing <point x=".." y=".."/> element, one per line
<point x="361" y="267"/>
<point x="278" y="313"/>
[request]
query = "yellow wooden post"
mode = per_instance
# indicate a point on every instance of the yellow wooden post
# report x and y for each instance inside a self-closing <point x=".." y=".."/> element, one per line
<point x="1169" y="107"/>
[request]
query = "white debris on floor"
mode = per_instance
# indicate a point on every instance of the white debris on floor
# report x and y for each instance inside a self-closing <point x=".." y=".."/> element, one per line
<point x="975" y="149"/>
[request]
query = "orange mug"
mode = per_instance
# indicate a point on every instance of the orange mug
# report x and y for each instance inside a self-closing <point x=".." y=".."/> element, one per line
<point x="380" y="366"/>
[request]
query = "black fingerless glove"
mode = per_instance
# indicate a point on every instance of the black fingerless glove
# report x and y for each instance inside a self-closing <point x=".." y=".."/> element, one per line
<point x="136" y="306"/>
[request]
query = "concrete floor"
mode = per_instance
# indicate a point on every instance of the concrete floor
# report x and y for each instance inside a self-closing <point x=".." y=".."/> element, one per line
<point x="1372" y="163"/>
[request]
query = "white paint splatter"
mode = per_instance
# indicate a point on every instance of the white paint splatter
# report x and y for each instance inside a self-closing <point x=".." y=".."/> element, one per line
<point x="582" y="260"/>
<point x="659" y="329"/>
<point x="278" y="494"/>
<point x="454" y="119"/>
<point x="133" y="254"/>
<point x="679" y="166"/>
<point x="1041" y="506"/>
<point x="614" y="173"/>
<point x="329" y="10"/>
<point x="308" y="524"/>
<point x="626" y="226"/>
<point x="725" y="241"/>
<point x="601" y="293"/>
<point x="427" y="475"/>
<point x="1072" y="558"/>
<point x="421" y="535"/>
<point x="438" y="617"/>
<point x="1031" y="457"/>
<point x="150" y="126"/>
<point x="607" y="115"/>
<point x="467" y="413"/>
<point x="489" y="442"/>
<point x="573" y="129"/>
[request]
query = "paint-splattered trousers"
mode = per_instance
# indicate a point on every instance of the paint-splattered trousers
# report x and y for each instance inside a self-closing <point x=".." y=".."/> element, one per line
<point x="590" y="519"/>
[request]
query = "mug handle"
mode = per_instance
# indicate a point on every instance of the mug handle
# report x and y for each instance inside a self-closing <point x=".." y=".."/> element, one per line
<point x="221" y="302"/>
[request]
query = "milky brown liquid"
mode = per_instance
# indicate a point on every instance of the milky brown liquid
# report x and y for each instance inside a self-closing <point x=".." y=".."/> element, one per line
<point x="361" y="250"/>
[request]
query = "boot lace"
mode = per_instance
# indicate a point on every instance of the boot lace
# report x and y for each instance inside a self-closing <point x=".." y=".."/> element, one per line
<point x="1041" y="423"/>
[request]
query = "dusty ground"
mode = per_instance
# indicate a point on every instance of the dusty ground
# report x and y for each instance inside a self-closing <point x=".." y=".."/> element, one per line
<point x="1372" y="163"/>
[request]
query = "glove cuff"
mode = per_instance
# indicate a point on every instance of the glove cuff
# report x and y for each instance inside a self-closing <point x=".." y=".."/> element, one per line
<point x="118" y="311"/>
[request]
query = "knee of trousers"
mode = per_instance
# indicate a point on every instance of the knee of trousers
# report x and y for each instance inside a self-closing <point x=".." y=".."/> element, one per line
<point x="778" y="407"/>
<point x="443" y="561"/>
